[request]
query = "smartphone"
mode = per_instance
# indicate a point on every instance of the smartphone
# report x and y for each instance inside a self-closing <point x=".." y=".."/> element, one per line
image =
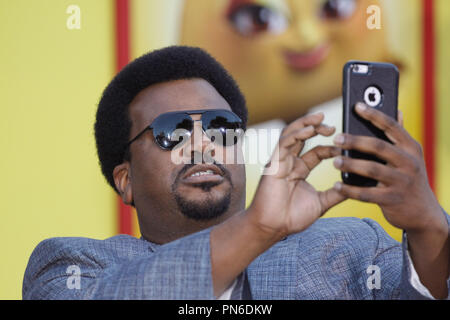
<point x="375" y="84"/>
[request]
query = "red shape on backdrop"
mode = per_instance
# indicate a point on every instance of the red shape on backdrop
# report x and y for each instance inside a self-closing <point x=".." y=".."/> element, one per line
<point x="429" y="108"/>
<point x="122" y="34"/>
<point x="122" y="28"/>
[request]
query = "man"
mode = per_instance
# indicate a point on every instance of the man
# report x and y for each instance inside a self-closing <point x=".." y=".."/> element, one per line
<point x="198" y="239"/>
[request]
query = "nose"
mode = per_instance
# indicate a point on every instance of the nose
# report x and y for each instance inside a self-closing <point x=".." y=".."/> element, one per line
<point x="200" y="149"/>
<point x="309" y="34"/>
<point x="305" y="34"/>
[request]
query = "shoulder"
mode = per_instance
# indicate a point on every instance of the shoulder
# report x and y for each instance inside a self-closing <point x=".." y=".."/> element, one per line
<point x="78" y="248"/>
<point x="325" y="261"/>
<point x="336" y="236"/>
<point x="55" y="256"/>
<point x="357" y="232"/>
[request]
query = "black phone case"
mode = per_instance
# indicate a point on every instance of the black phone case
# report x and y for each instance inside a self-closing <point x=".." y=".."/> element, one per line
<point x="385" y="77"/>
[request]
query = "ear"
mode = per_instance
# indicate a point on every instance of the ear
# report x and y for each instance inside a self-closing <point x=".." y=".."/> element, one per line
<point x="122" y="180"/>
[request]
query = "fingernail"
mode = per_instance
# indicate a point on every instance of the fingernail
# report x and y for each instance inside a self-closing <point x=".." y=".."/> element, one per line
<point x="338" y="162"/>
<point x="338" y="186"/>
<point x="339" y="139"/>
<point x="361" y="106"/>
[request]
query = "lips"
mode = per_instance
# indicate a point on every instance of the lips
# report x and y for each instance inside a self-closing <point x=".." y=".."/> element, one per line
<point x="303" y="61"/>
<point x="203" y="173"/>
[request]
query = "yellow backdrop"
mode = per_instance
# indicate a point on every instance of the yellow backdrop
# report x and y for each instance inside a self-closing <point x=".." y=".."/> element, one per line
<point x="51" y="80"/>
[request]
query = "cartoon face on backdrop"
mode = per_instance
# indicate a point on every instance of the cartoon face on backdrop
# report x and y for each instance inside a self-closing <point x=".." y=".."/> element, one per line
<point x="287" y="55"/>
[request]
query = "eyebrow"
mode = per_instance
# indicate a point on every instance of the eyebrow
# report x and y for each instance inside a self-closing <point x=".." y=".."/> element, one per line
<point x="234" y="4"/>
<point x="277" y="4"/>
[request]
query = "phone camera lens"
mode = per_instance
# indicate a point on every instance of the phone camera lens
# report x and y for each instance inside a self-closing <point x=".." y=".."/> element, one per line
<point x="360" y="69"/>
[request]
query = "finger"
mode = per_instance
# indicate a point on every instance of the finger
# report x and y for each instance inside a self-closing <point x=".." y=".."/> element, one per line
<point x="400" y="118"/>
<point x="296" y="137"/>
<point x="325" y="130"/>
<point x="294" y="142"/>
<point x="377" y="147"/>
<point x="388" y="125"/>
<point x="314" y="119"/>
<point x="305" y="164"/>
<point x="299" y="171"/>
<point x="330" y="198"/>
<point x="368" y="169"/>
<point x="322" y="130"/>
<point x="364" y="194"/>
<point x="315" y="156"/>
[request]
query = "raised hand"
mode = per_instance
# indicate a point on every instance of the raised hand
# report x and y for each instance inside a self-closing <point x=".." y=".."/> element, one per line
<point x="284" y="202"/>
<point x="403" y="194"/>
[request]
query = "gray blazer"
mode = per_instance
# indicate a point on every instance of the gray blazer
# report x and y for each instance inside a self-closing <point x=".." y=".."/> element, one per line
<point x="335" y="258"/>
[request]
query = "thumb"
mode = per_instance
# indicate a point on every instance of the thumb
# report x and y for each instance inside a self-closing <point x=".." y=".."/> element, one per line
<point x="330" y="198"/>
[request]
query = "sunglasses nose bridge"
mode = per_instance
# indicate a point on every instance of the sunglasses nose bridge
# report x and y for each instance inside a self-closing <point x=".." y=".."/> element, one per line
<point x="198" y="136"/>
<point x="196" y="117"/>
<point x="198" y="143"/>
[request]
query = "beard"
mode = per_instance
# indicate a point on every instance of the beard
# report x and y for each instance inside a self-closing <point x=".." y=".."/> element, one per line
<point x="207" y="208"/>
<point x="202" y="210"/>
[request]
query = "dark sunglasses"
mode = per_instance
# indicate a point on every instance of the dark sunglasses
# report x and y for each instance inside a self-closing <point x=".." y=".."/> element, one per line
<point x="171" y="127"/>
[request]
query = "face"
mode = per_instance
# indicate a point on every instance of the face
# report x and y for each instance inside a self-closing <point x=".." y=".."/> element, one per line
<point x="287" y="55"/>
<point x="170" y="202"/>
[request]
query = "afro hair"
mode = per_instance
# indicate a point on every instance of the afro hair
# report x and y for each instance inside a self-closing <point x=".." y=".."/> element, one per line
<point x="112" y="126"/>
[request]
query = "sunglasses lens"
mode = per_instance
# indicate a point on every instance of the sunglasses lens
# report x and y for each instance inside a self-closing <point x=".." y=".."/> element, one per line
<point x="222" y="127"/>
<point x="171" y="130"/>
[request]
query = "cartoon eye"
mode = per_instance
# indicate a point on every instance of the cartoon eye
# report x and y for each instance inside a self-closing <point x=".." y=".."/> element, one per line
<point x="338" y="9"/>
<point x="251" y="19"/>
